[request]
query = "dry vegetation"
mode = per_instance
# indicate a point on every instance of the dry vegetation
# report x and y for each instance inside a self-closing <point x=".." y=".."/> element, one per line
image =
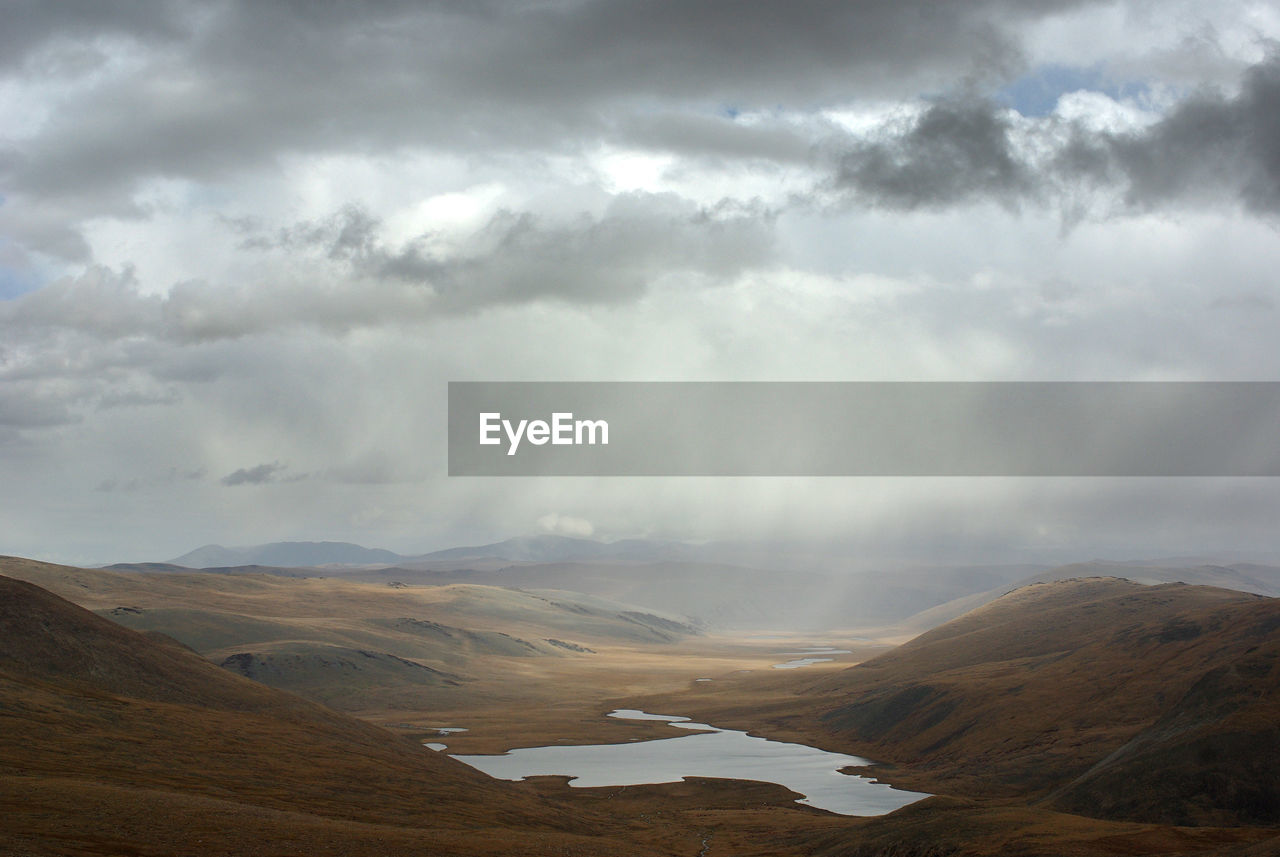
<point x="1137" y="709"/>
<point x="1088" y="717"/>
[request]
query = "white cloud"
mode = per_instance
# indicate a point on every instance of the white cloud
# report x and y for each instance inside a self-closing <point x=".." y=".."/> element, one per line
<point x="566" y="525"/>
<point x="278" y="278"/>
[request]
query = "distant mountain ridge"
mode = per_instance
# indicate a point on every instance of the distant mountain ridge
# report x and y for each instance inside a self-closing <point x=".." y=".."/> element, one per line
<point x="537" y="548"/>
<point x="285" y="555"/>
<point x="716" y="585"/>
<point x="552" y="548"/>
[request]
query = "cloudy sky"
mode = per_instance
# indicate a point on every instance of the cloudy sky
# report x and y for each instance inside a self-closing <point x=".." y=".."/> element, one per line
<point x="245" y="245"/>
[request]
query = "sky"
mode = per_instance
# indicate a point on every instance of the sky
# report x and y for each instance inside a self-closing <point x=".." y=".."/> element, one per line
<point x="244" y="246"/>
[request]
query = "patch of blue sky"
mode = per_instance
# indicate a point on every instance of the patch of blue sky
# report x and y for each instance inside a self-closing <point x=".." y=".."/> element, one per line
<point x="15" y="282"/>
<point x="208" y="196"/>
<point x="1037" y="93"/>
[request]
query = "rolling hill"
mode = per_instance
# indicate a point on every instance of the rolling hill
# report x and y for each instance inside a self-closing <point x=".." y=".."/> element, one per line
<point x="1242" y="577"/>
<point x="353" y="645"/>
<point x="728" y="597"/>
<point x="118" y="743"/>
<point x="718" y="586"/>
<point x="1096" y="696"/>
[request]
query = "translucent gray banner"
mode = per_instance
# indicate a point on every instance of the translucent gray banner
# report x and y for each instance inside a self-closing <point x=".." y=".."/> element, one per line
<point x="864" y="429"/>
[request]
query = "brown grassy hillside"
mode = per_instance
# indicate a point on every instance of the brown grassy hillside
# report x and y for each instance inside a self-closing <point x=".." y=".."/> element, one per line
<point x="355" y="646"/>
<point x="115" y="743"/>
<point x="1109" y="698"/>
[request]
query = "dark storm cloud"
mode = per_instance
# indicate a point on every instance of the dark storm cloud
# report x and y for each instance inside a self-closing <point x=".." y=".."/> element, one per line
<point x="169" y="478"/>
<point x="715" y="136"/>
<point x="516" y="257"/>
<point x="756" y="51"/>
<point x="1210" y="149"/>
<point x="213" y="89"/>
<point x="24" y="407"/>
<point x="559" y="53"/>
<point x="351" y="277"/>
<point x="952" y="153"/>
<point x="67" y="30"/>
<point x="259" y="475"/>
<point x="639" y="239"/>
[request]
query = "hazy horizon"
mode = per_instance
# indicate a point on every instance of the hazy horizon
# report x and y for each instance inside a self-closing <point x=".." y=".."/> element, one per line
<point x="827" y="557"/>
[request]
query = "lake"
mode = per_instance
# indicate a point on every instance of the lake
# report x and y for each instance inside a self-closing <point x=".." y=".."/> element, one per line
<point x="711" y="752"/>
<point x="813" y="655"/>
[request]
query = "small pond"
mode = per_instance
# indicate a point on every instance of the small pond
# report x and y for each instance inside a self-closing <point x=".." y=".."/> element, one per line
<point x="711" y="752"/>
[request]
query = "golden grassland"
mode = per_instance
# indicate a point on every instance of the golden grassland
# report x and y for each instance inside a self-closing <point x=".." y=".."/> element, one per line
<point x="1039" y="680"/>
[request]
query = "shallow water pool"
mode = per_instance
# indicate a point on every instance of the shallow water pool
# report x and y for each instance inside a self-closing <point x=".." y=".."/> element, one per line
<point x="712" y="752"/>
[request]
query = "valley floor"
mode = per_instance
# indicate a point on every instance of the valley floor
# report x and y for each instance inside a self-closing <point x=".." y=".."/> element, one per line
<point x="533" y="701"/>
<point x="518" y="668"/>
<point x="565" y="701"/>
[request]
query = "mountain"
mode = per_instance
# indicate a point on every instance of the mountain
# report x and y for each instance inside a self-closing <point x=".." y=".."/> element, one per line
<point x="1243" y="577"/>
<point x="721" y="585"/>
<point x="538" y="548"/>
<point x="1100" y="696"/>
<point x="724" y="596"/>
<point x="552" y="548"/>
<point x="115" y="742"/>
<point x="285" y="555"/>
<point x="353" y="645"/>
